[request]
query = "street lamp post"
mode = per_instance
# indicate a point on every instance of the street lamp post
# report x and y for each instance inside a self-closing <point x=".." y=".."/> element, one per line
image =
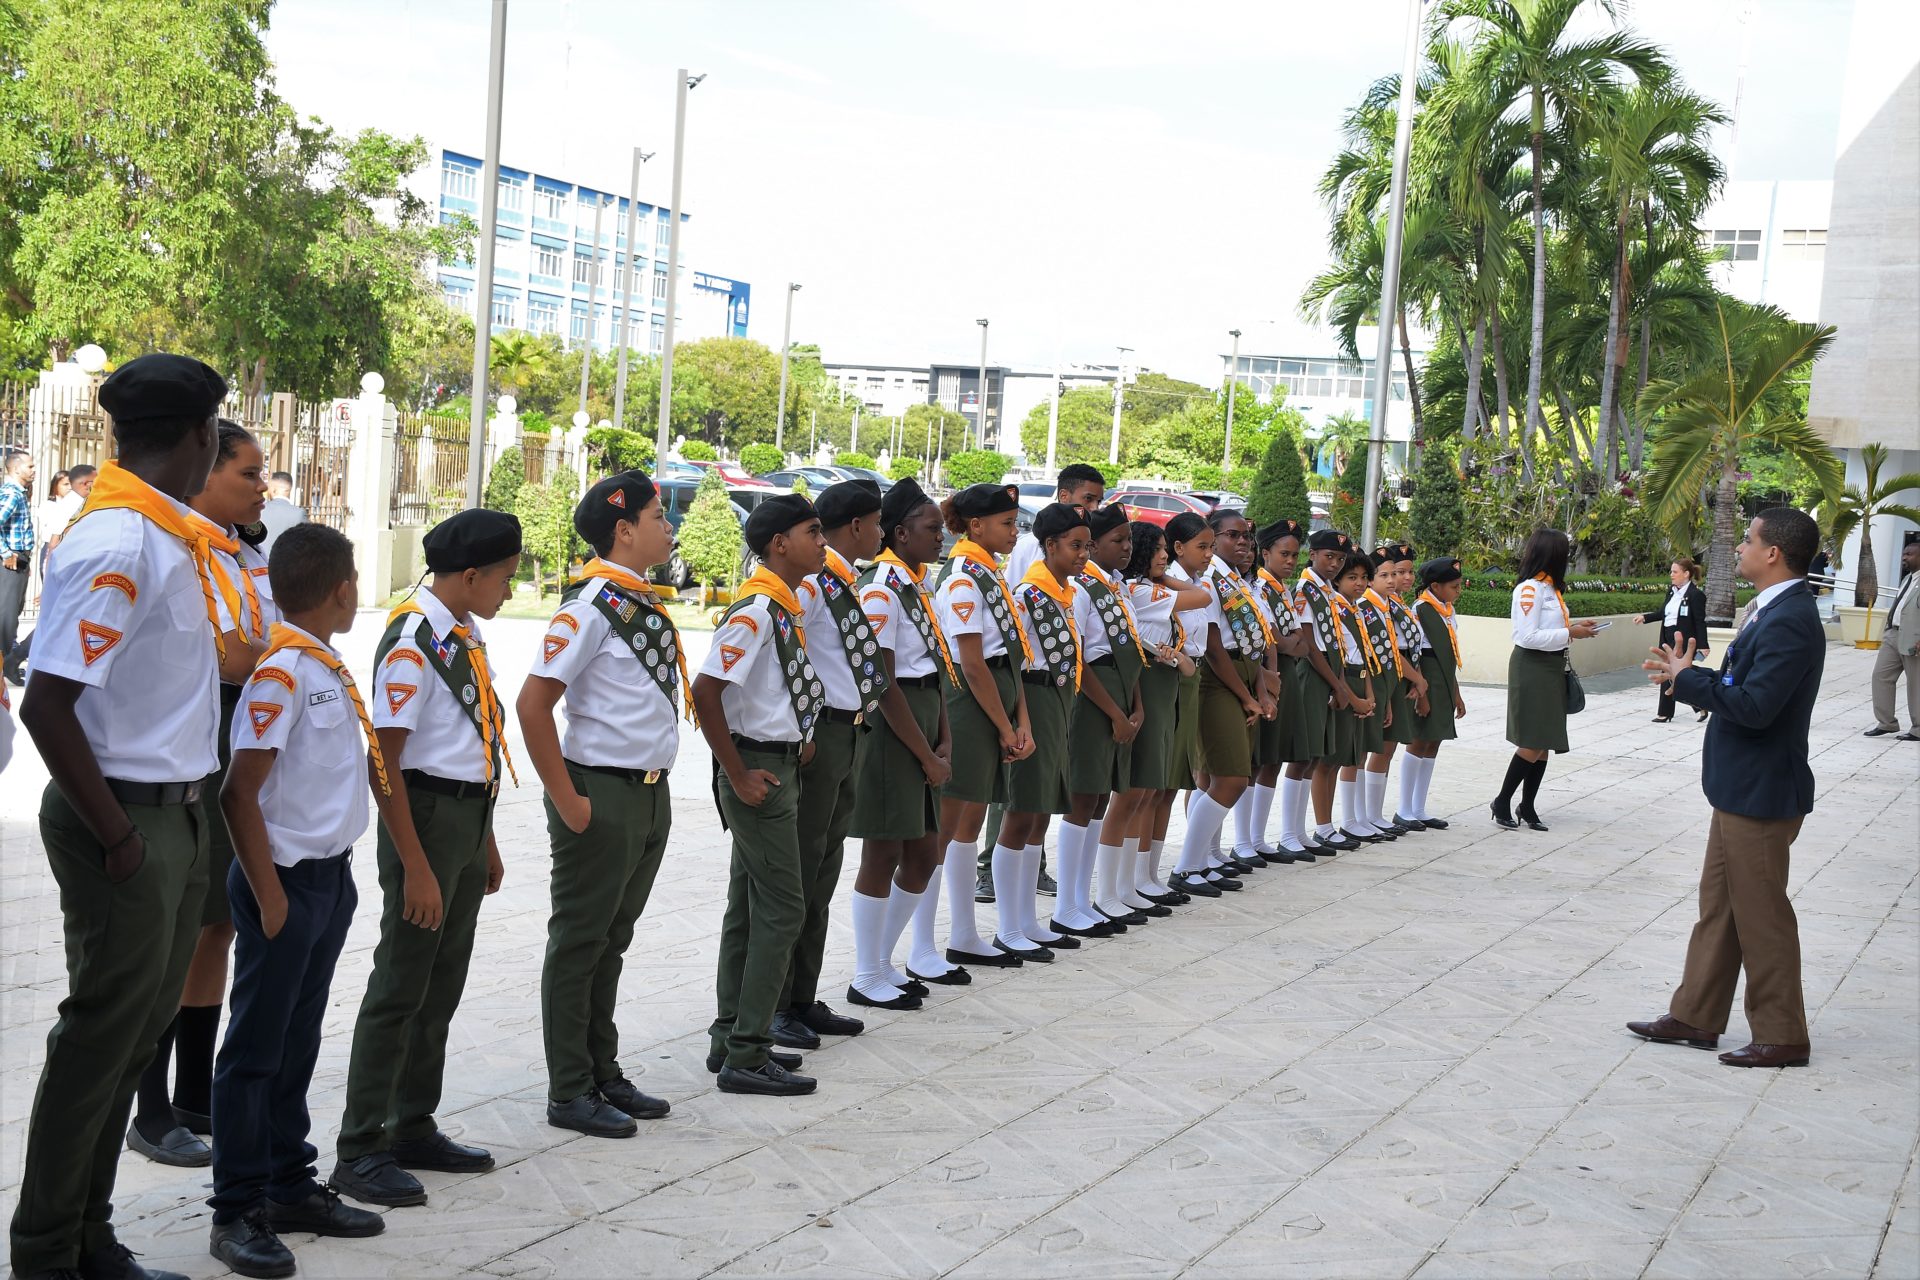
<point x="1119" y="387"/>
<point x="786" y="345"/>
<point x="982" y="423"/>
<point x="483" y="290"/>
<point x="626" y="287"/>
<point x="1053" y="419"/>
<point x="1233" y="382"/>
<point x="682" y="82"/>
<point x="593" y="291"/>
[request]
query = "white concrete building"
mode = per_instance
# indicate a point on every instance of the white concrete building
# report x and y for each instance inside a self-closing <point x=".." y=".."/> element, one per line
<point x="1774" y="238"/>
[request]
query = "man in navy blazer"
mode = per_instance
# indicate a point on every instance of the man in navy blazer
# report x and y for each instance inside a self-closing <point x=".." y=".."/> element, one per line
<point x="1755" y="773"/>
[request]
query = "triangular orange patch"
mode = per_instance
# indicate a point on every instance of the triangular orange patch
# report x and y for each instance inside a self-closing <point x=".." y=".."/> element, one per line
<point x="398" y="695"/>
<point x="618" y="498"/>
<point x="263" y="714"/>
<point x="730" y="655"/>
<point x="964" y="609"/>
<point x="552" y="646"/>
<point x="878" y="621"/>
<point x="96" y="640"/>
<point x="1526" y="598"/>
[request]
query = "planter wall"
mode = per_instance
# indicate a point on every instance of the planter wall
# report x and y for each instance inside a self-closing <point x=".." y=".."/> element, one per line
<point x="1853" y="624"/>
<point x="1487" y="643"/>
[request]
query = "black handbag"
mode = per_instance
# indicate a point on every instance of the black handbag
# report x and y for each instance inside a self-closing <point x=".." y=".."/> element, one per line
<point x="1576" y="692"/>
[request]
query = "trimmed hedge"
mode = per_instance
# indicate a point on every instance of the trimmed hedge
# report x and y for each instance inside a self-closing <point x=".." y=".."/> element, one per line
<point x="1497" y="602"/>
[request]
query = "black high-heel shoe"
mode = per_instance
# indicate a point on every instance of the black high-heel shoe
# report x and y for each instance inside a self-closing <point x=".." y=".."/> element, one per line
<point x="1531" y="818"/>
<point x="1503" y="817"/>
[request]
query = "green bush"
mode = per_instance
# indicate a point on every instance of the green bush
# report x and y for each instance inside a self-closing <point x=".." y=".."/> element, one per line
<point x="849" y="458"/>
<point x="546" y="526"/>
<point x="761" y="457"/>
<point x="1206" y="476"/>
<point x="505" y="480"/>
<point x="698" y="451"/>
<point x="1240" y="480"/>
<point x="710" y="538"/>
<point x="904" y="468"/>
<point x="615" y="449"/>
<point x="1497" y="602"/>
<point x="1279" y="490"/>
<point x="977" y="466"/>
<point x="1438" y="514"/>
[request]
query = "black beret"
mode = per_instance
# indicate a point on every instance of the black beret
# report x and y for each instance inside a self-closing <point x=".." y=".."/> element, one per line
<point x="162" y="386"/>
<point x="841" y="504"/>
<point x="1277" y="530"/>
<point x="977" y="500"/>
<point x="776" y="515"/>
<point x="1055" y="519"/>
<point x="1435" y="572"/>
<point x="618" y="497"/>
<point x="1393" y="553"/>
<point x="901" y="501"/>
<point x="1330" y="540"/>
<point x="471" y="539"/>
<point x="1104" y="520"/>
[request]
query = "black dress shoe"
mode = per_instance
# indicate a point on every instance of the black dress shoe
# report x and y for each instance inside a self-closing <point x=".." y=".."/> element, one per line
<point x="1409" y="824"/>
<point x="790" y="1061"/>
<point x="767" y="1079"/>
<point x="441" y="1154"/>
<point x="1171" y="898"/>
<point x="248" y="1246"/>
<point x="1395" y="828"/>
<point x="176" y="1147"/>
<point x="1064" y="942"/>
<point x="823" y="1021"/>
<point x="1228" y="883"/>
<point x="592" y="1115"/>
<point x="1128" y="916"/>
<point x="1280" y="857"/>
<point x="1100" y="930"/>
<point x="789" y="1031"/>
<point x="1878" y="732"/>
<point x="1038" y="955"/>
<point x="1435" y="824"/>
<point x="951" y="978"/>
<point x="1153" y="911"/>
<point x="1503" y="818"/>
<point x="1226" y="870"/>
<point x="377" y="1179"/>
<point x="1908" y="736"/>
<point x="324" y="1214"/>
<point x="1252" y="860"/>
<point x="1364" y="837"/>
<point x="193" y="1121"/>
<point x="641" y="1106"/>
<point x="997" y="960"/>
<point x="905" y="1000"/>
<point x="1531" y="818"/>
<point x="116" y="1262"/>
<point x="1193" y="883"/>
<point x="1302" y="854"/>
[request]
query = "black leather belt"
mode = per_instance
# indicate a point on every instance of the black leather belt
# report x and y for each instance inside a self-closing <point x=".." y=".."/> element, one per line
<point x="1038" y="677"/>
<point x="154" y="793"/>
<point x="447" y="786"/>
<point x="841" y="716"/>
<point x="645" y="776"/>
<point x="1104" y="660"/>
<point x="929" y="681"/>
<point x="791" y="750"/>
<point x="1002" y="659"/>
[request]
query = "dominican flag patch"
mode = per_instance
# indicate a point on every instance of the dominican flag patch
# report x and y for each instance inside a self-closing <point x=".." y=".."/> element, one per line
<point x="619" y="603"/>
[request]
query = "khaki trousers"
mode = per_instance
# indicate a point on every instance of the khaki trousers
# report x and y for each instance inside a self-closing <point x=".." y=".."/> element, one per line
<point x="1889" y="664"/>
<point x="1746" y="922"/>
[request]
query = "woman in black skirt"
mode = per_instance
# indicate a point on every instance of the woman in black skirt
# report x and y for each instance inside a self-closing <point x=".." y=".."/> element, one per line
<point x="1537" y="673"/>
<point x="1683" y="618"/>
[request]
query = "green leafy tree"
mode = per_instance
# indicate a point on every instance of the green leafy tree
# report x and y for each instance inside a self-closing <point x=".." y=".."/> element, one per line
<point x="1348" y="511"/>
<point x="1279" y="490"/>
<point x="1240" y="480"/>
<point x="1086" y="426"/>
<point x="546" y="527"/>
<point x="1149" y="398"/>
<point x="977" y="466"/>
<point x="761" y="458"/>
<point x="933" y="429"/>
<point x="741" y="379"/>
<point x="504" y="482"/>
<point x="614" y="449"/>
<point x="851" y="458"/>
<point x="710" y="539"/>
<point x="1206" y="476"/>
<point x="904" y="468"/>
<point x="698" y="451"/>
<point x="1855" y="508"/>
<point x="1438" y="515"/>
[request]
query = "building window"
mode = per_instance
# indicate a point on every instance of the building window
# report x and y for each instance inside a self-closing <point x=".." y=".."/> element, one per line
<point x="506" y="311"/>
<point x="1805" y="245"/>
<point x="657" y="340"/>
<point x="513" y="194"/>
<point x="577" y="326"/>
<point x="662" y="233"/>
<point x="1739" y="246"/>
<point x="543" y="315"/>
<point x="458" y="295"/>
<point x="546" y="261"/>
<point x="659" y="286"/>
<point x="582" y="267"/>
<point x="458" y="180"/>
<point x="548" y="203"/>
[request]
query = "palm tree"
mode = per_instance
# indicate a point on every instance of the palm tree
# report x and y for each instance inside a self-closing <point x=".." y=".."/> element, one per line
<point x="1742" y="396"/>
<point x="1856" y="506"/>
<point x="1524" y="64"/>
<point x="517" y="359"/>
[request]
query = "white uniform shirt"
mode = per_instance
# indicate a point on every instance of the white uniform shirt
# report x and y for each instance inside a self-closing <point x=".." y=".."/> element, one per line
<point x="1676" y="598"/>
<point x="1098" y="641"/>
<point x="1025" y="554"/>
<point x="618" y="717"/>
<point x="1538" y="621"/>
<point x="315" y="797"/>
<point x="1035" y="641"/>
<point x="1152" y="612"/>
<point x="1196" y="621"/>
<point x="1350" y="651"/>
<point x="252" y="564"/>
<point x="895" y="630"/>
<point x="826" y="649"/>
<point x="745" y="656"/>
<point x="962" y="612"/>
<point x="409" y="694"/>
<point x="119" y="584"/>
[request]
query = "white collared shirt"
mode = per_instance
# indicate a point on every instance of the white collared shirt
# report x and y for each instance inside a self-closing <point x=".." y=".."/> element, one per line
<point x="315" y="797"/>
<point x="1675" y="599"/>
<point x="618" y="716"/>
<point x="892" y="628"/>
<point x="1025" y="554"/>
<point x="1095" y="639"/>
<point x="120" y="585"/>
<point x="825" y="645"/>
<point x="1196" y="621"/>
<point x="746" y="658"/>
<point x="1152" y="611"/>
<point x="247" y="565"/>
<point x="1350" y="651"/>
<point x="1900" y="598"/>
<point x="1767" y="597"/>
<point x="1538" y="621"/>
<point x="962" y="612"/>
<point x="410" y="695"/>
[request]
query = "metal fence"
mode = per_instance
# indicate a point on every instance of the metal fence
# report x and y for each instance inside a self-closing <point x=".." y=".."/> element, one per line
<point x="543" y="457"/>
<point x="429" y="467"/>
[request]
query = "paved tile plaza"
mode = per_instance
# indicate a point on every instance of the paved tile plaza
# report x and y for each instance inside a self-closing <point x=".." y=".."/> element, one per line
<point x="1408" y="1061"/>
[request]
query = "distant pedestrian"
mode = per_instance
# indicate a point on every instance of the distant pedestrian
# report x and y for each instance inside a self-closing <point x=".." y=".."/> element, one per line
<point x="16" y="565"/>
<point x="281" y="512"/>
<point x="1900" y="652"/>
<point x="1682" y="617"/>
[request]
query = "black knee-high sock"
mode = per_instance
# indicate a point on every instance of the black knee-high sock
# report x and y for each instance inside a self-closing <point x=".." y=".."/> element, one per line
<point x="193" y="1046"/>
<point x="153" y="1113"/>
<point x="1517" y="769"/>
<point x="1530" y="785"/>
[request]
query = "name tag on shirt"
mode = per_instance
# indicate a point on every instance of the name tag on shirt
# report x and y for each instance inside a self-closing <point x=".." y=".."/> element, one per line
<point x="323" y="696"/>
<point x="1683" y="610"/>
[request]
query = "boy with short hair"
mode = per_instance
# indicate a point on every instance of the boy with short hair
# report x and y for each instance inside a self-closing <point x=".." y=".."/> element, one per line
<point x="295" y="800"/>
<point x="758" y="699"/>
<point x="443" y="735"/>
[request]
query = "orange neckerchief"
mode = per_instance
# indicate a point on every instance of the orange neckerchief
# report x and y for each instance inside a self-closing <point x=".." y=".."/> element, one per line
<point x="765" y="582"/>
<point x="1061" y="594"/>
<point x="1446" y="615"/>
<point x="926" y="609"/>
<point x="629" y="581"/>
<point x="1126" y="606"/>
<point x="1342" y="605"/>
<point x="1277" y="585"/>
<point x="283" y="636"/>
<point x="493" y="728"/>
<point x="1393" y="632"/>
<point x="834" y="562"/>
<point x="968" y="549"/>
<point x="117" y="489"/>
<point x="248" y="621"/>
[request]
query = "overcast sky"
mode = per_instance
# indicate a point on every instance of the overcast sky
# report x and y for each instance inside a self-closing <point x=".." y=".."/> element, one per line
<point x="1084" y="174"/>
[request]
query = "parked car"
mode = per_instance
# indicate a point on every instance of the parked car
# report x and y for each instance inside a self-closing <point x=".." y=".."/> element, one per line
<point x="736" y="476"/>
<point x="1214" y="500"/>
<point x="676" y="497"/>
<point x="1041" y="489"/>
<point x="1156" y="507"/>
<point x="856" y="473"/>
<point x="671" y="470"/>
<point x="784" y="479"/>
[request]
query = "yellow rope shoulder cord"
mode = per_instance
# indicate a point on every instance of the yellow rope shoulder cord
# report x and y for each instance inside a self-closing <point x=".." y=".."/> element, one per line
<point x="1393" y="632"/>
<point x="927" y="611"/>
<point x="968" y="549"/>
<point x="1343" y="606"/>
<point x="282" y="637"/>
<point x="248" y="620"/>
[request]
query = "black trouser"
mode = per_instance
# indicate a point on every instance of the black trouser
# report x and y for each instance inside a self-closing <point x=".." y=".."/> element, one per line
<point x="1668" y="636"/>
<point x="279" y="999"/>
<point x="13" y="599"/>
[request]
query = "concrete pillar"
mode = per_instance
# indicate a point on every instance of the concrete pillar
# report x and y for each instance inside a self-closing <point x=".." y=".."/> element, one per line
<point x="370" y="487"/>
<point x="503" y="431"/>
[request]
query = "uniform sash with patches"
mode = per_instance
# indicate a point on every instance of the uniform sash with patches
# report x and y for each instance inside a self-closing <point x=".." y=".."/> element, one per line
<point x="461" y="663"/>
<point x="843" y="603"/>
<point x="1407" y="629"/>
<point x="891" y="572"/>
<point x="802" y="682"/>
<point x="643" y="626"/>
<point x="1056" y="643"/>
<point x="971" y="559"/>
<point x="1378" y="633"/>
<point x="1280" y="601"/>
<point x="1113" y="612"/>
<point x="1320" y="604"/>
<point x="1247" y="630"/>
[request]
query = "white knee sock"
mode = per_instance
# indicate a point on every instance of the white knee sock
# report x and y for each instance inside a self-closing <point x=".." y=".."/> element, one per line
<point x="1106" y="869"/>
<point x="1244" y="835"/>
<point x="1030" y="927"/>
<point x="869" y="929"/>
<point x="1073" y="867"/>
<point x="1376" y="796"/>
<point x="1349" y="803"/>
<point x="924" y="957"/>
<point x="1426" y="779"/>
<point x="1293" y="792"/>
<point x="1156" y="851"/>
<point x="1262" y="812"/>
<point x="1204" y="816"/>
<point x="901" y="906"/>
<point x="963" y="932"/>
<point x="1409" y="803"/>
<point x="1304" y="809"/>
<point x="1126" y="864"/>
<point x="1008" y="883"/>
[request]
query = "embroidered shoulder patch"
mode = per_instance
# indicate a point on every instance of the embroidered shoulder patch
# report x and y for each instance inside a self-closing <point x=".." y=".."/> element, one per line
<point x="618" y="498"/>
<point x="276" y="675"/>
<point x="1526" y="598"/>
<point x="398" y="695"/>
<point x="566" y="620"/>
<point x="262" y="715"/>
<point x="963" y="609"/>
<point x="406" y="655"/>
<point x="119" y="582"/>
<point x="551" y="646"/>
<point x="95" y="640"/>
<point x="730" y="655"/>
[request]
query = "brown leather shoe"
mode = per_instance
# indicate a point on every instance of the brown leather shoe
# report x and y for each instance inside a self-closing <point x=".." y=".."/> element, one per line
<point x="1667" y="1029"/>
<point x="1768" y="1055"/>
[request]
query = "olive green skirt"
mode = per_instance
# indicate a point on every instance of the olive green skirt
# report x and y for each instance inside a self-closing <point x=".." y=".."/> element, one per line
<point x="1347" y="745"/>
<point x="1226" y="739"/>
<point x="1038" y="784"/>
<point x="978" y="774"/>
<point x="1442" y="681"/>
<point x="214" y="908"/>
<point x="1184" y="760"/>
<point x="1096" y="764"/>
<point x="1402" y="728"/>
<point x="1272" y="738"/>
<point x="891" y="797"/>
<point x="1159" y="699"/>
<point x="1314" y="733"/>
<point x="1372" y="729"/>
<point x="1537" y="699"/>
